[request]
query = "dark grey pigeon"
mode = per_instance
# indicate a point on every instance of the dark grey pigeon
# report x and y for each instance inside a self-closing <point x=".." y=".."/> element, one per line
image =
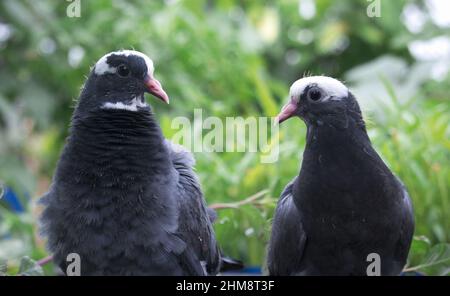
<point x="124" y="198"/>
<point x="345" y="204"/>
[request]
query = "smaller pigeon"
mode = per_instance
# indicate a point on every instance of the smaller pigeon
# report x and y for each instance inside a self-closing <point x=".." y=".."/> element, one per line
<point x="123" y="198"/>
<point x="345" y="204"/>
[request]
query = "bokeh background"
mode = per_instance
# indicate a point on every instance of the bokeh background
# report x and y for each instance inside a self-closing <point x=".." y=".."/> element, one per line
<point x="231" y="57"/>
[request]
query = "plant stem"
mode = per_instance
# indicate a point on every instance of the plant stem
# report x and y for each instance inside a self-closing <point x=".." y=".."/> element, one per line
<point x="45" y="260"/>
<point x="235" y="205"/>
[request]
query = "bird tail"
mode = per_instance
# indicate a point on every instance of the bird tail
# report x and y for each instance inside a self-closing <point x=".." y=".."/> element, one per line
<point x="230" y="264"/>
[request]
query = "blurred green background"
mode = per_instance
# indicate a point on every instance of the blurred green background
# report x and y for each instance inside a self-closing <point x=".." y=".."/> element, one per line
<point x="232" y="58"/>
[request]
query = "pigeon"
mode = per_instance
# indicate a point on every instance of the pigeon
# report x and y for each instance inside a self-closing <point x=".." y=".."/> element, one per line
<point x="345" y="205"/>
<point x="123" y="198"/>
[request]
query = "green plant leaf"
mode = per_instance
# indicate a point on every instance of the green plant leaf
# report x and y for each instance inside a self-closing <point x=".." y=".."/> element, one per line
<point x="2" y="190"/>
<point x="3" y="267"/>
<point x="436" y="262"/>
<point x="420" y="246"/>
<point x="29" y="267"/>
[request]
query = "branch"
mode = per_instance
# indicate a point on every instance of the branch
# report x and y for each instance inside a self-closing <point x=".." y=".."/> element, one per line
<point x="235" y="205"/>
<point x="45" y="260"/>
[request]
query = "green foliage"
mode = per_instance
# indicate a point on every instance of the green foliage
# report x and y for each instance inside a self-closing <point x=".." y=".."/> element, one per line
<point x="229" y="58"/>
<point x="420" y="139"/>
<point x="29" y="267"/>
<point x="3" y="267"/>
<point x="433" y="260"/>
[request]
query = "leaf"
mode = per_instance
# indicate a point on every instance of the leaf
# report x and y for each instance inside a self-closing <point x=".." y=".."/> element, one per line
<point x="436" y="262"/>
<point x="29" y="267"/>
<point x="3" y="267"/>
<point x="2" y="190"/>
<point x="420" y="246"/>
<point x="264" y="93"/>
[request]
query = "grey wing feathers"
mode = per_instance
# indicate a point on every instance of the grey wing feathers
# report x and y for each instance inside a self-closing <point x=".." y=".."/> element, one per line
<point x="194" y="219"/>
<point x="288" y="237"/>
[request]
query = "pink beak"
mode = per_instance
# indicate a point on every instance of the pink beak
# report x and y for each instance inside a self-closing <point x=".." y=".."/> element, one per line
<point x="154" y="87"/>
<point x="287" y="111"/>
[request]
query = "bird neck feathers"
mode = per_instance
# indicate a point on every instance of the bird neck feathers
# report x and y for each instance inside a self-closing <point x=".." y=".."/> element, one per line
<point x="117" y="159"/>
<point x="124" y="138"/>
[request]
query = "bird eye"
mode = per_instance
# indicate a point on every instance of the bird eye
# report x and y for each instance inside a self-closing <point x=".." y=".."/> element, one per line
<point x="314" y="94"/>
<point x="123" y="71"/>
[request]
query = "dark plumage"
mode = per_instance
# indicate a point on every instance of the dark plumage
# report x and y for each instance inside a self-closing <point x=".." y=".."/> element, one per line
<point x="345" y="203"/>
<point x="124" y="198"/>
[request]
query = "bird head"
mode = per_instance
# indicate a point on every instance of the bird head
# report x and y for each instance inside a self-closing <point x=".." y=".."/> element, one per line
<point x="320" y="100"/>
<point x="119" y="80"/>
